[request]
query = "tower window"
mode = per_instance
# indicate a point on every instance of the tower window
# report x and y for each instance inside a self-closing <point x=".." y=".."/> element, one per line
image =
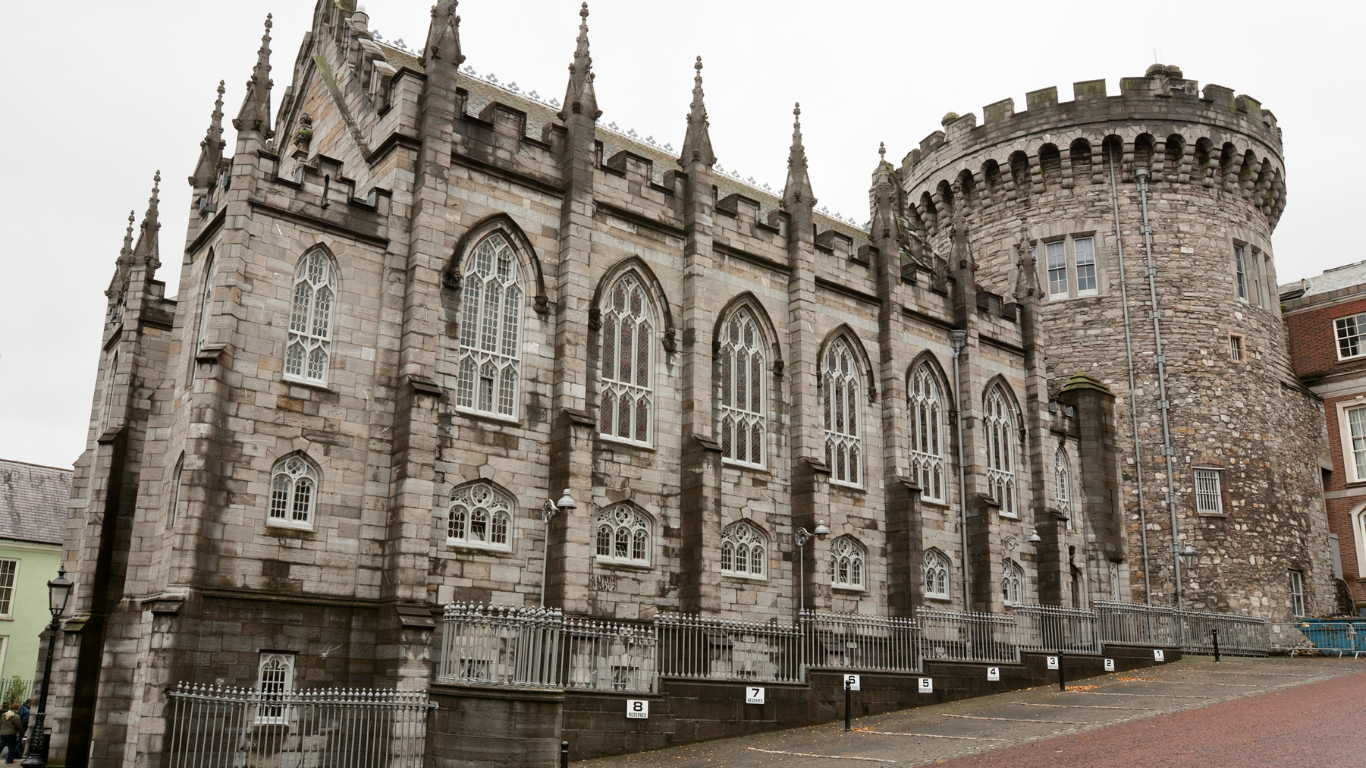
<point x="1085" y="250"/>
<point x="308" y="357"/>
<point x="1297" y="593"/>
<point x="1057" y="268"/>
<point x="1240" y="271"/>
<point x="1235" y="348"/>
<point x="1208" y="495"/>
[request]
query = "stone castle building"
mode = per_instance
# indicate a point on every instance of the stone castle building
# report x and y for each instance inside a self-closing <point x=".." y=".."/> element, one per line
<point x="414" y="306"/>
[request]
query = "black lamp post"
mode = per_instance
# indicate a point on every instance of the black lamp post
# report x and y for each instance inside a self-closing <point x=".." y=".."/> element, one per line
<point x="58" y="591"/>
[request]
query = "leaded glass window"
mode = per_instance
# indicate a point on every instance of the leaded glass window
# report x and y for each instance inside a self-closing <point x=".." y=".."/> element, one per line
<point x="205" y="303"/>
<point x="742" y="384"/>
<point x="1062" y="480"/>
<point x="293" y="492"/>
<point x="480" y="517"/>
<point x="626" y="405"/>
<point x="275" y="681"/>
<point x="840" y="405"/>
<point x="999" y="420"/>
<point x="937" y="569"/>
<point x="308" y="357"/>
<point x="744" y="551"/>
<point x="489" y="369"/>
<point x="929" y="464"/>
<point x="848" y="564"/>
<point x="623" y="536"/>
<point x="1012" y="583"/>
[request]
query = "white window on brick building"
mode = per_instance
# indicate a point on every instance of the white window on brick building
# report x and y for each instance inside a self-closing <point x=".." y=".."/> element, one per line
<point x="848" y="564"/>
<point x="929" y="463"/>
<point x="1056" y="253"/>
<point x="937" y="570"/>
<point x="744" y="551"/>
<point x="205" y="303"/>
<point x="1240" y="271"/>
<point x="840" y="403"/>
<point x="623" y="536"/>
<point x="741" y="379"/>
<point x="275" y="681"/>
<point x="1297" y="593"/>
<point x="1350" y="333"/>
<point x="1012" y="583"/>
<point x="173" y="511"/>
<point x="1208" y="495"/>
<point x="481" y="517"/>
<point x="9" y="573"/>
<point x="294" y="485"/>
<point x="626" y="405"/>
<point x="308" y="356"/>
<point x="489" y="368"/>
<point x="1352" y="429"/>
<point x="1062" y="481"/>
<point x="999" y="422"/>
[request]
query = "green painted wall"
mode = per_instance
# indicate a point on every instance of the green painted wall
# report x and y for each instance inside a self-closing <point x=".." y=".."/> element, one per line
<point x="28" y="613"/>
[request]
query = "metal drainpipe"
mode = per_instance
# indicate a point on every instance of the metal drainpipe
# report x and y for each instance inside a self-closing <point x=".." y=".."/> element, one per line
<point x="1133" y="402"/>
<point x="959" y="339"/>
<point x="1141" y="176"/>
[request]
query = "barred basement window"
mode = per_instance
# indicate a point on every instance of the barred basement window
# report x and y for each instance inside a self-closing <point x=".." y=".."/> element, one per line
<point x="308" y="356"/>
<point x="1208" y="498"/>
<point x="1350" y="331"/>
<point x="481" y="518"/>
<point x="999" y="420"/>
<point x="848" y="563"/>
<point x="1012" y="583"/>
<point x="937" y="569"/>
<point x="626" y="408"/>
<point x="275" y="680"/>
<point x="928" y="462"/>
<point x="1062" y="478"/>
<point x="1297" y="593"/>
<point x="623" y="536"/>
<point x="839" y="385"/>
<point x="741" y="380"/>
<point x="293" y="492"/>
<point x="744" y="551"/>
<point x="1240" y="271"/>
<point x="490" y="330"/>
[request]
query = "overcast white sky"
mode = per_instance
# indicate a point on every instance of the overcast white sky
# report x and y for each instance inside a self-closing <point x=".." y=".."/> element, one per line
<point x="99" y="95"/>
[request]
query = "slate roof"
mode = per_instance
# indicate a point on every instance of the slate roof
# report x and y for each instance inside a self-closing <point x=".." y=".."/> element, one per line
<point x="33" y="501"/>
<point x="1332" y="280"/>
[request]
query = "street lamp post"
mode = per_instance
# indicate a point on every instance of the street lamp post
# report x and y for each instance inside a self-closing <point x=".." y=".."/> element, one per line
<point x="548" y="512"/>
<point x="802" y="536"/>
<point x="58" y="590"/>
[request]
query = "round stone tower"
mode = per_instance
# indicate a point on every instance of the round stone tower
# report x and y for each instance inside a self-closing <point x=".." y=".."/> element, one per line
<point x="1150" y="217"/>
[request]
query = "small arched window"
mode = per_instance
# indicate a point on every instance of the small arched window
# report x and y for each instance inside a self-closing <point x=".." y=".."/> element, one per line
<point x="848" y="564"/>
<point x="294" y="485"/>
<point x="481" y="517"/>
<point x="626" y="408"/>
<point x="309" y="354"/>
<point x="1012" y="583"/>
<point x="275" y="682"/>
<point x="205" y="303"/>
<point x="1062" y="478"/>
<point x="623" y="536"/>
<point x="173" y="511"/>
<point x="744" y="551"/>
<point x="490" y="330"/>
<point x="999" y="420"/>
<point x="741" y="380"/>
<point x="840" y="404"/>
<point x="937" y="569"/>
<point x="927" y="416"/>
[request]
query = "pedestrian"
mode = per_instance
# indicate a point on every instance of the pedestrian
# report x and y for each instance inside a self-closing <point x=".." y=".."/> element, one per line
<point x="24" y="710"/>
<point x="11" y="730"/>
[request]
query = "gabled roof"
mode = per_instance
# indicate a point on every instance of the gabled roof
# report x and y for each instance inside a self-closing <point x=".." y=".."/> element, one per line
<point x="1344" y="281"/>
<point x="33" y="502"/>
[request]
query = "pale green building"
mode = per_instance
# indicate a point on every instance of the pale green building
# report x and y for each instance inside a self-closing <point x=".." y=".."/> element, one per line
<point x="33" y="502"/>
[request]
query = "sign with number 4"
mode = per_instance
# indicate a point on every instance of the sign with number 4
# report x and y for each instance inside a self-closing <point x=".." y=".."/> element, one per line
<point x="637" y="709"/>
<point x="927" y="685"/>
<point x="1052" y="662"/>
<point x="851" y="682"/>
<point x="1158" y="655"/>
<point x="1109" y="665"/>
<point x="993" y="674"/>
<point x="754" y="695"/>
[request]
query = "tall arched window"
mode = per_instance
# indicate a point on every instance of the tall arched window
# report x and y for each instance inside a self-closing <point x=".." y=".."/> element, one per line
<point x="174" y="510"/>
<point x="840" y="403"/>
<point x="848" y="563"/>
<point x="741" y="380"/>
<point x="490" y="329"/>
<point x="309" y="354"/>
<point x="937" y="569"/>
<point x="1062" y="478"/>
<point x="294" y="485"/>
<point x="110" y="374"/>
<point x="626" y="408"/>
<point x="999" y="420"/>
<point x="623" y="536"/>
<point x="928" y="437"/>
<point x="1012" y="583"/>
<point x="205" y="303"/>
<point x="480" y="517"/>
<point x="744" y="551"/>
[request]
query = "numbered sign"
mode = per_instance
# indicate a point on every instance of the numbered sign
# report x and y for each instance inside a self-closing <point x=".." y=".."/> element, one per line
<point x="927" y="685"/>
<point x="1109" y="665"/>
<point x="1158" y="655"/>
<point x="1052" y="662"/>
<point x="851" y="682"/>
<point x="993" y="674"/>
<point x="754" y="695"/>
<point x="637" y="709"/>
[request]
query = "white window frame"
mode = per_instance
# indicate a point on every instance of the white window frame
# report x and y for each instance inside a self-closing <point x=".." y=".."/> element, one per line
<point x="742" y="384"/>
<point x="929" y="434"/>
<point x="1358" y="518"/>
<point x="1062" y="483"/>
<point x="287" y="476"/>
<point x="1297" y="603"/>
<point x="1208" y="484"/>
<point x="492" y="301"/>
<point x="7" y="601"/>
<point x="1059" y="281"/>
<point x="840" y="386"/>
<point x="619" y="519"/>
<point x="1081" y="277"/>
<point x="848" y="564"/>
<point x="938" y="571"/>
<point x="1342" y="327"/>
<point x="274" y="714"/>
<point x="740" y="541"/>
<point x="205" y="303"/>
<point x="1012" y="583"/>
<point x="998" y="417"/>
<point x="468" y="505"/>
<point x="1351" y="446"/>
<point x="1240" y="272"/>
<point x="313" y="303"/>
<point x="634" y="383"/>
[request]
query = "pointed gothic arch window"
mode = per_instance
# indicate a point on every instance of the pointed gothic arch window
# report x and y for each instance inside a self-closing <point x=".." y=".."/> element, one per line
<point x="308" y="356"/>
<point x="174" y="509"/>
<point x="744" y="551"/>
<point x="1012" y="583"/>
<point x="1062" y="479"/>
<point x="480" y="517"/>
<point x="929" y="463"/>
<point x="491" y="303"/>
<point x="841" y="406"/>
<point x="848" y="564"/>
<point x="742" y="381"/>
<point x="623" y="536"/>
<point x="107" y="409"/>
<point x="294" y="487"/>
<point x="999" y="420"/>
<point x="937" y="570"/>
<point x="627" y="341"/>
<point x="205" y="303"/>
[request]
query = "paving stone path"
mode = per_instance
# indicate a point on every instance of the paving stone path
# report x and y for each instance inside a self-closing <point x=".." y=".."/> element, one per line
<point x="1180" y="714"/>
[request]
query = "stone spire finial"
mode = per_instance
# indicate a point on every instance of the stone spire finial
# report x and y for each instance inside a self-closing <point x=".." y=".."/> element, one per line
<point x="882" y="151"/>
<point x="443" y="36"/>
<point x="797" y="189"/>
<point x="211" y="148"/>
<point x="255" y="113"/>
<point x="580" y="98"/>
<point x="147" y="249"/>
<point x="882" y="197"/>
<point x="697" y="141"/>
<point x="120" y="281"/>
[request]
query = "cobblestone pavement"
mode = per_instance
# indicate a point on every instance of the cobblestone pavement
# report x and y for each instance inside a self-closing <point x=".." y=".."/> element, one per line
<point x="1180" y="714"/>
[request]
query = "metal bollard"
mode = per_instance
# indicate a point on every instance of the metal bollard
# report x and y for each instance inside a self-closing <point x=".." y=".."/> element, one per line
<point x="1062" y="673"/>
<point x="564" y="754"/>
<point x="846" y="704"/>
<point x="1215" y="632"/>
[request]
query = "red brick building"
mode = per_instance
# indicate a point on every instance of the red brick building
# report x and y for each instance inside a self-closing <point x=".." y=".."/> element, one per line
<point x="1326" y="318"/>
